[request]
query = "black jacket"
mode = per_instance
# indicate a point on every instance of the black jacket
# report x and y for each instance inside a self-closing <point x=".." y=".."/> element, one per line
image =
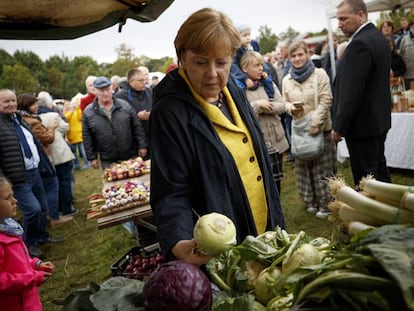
<point x="362" y="100"/>
<point x="193" y="172"/>
<point x="139" y="100"/>
<point x="11" y="158"/>
<point x="114" y="140"/>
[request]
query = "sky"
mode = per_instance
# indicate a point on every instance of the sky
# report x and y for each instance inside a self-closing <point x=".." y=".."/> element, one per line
<point x="155" y="39"/>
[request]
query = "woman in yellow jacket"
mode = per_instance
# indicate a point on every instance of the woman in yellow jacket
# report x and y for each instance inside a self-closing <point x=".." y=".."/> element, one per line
<point x="73" y="115"/>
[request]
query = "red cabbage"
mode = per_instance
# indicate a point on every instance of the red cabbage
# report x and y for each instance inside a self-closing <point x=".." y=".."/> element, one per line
<point x="177" y="285"/>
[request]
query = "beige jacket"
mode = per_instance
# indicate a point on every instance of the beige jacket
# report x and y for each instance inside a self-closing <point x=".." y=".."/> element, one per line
<point x="59" y="150"/>
<point x="270" y="122"/>
<point x="305" y="92"/>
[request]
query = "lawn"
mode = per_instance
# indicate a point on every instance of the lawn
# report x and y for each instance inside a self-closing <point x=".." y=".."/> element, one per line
<point x="88" y="253"/>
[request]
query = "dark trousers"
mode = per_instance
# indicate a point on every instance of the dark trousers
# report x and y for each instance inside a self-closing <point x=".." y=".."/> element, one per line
<point x="32" y="201"/>
<point x="51" y="186"/>
<point x="64" y="172"/>
<point x="367" y="157"/>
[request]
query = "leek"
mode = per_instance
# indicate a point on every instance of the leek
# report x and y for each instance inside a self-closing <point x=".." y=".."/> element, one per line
<point x="384" y="192"/>
<point x="407" y="201"/>
<point x="355" y="227"/>
<point x="385" y="212"/>
<point x="347" y="214"/>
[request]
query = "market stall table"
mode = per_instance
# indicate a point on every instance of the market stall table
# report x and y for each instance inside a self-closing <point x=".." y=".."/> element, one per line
<point x="140" y="215"/>
<point x="399" y="145"/>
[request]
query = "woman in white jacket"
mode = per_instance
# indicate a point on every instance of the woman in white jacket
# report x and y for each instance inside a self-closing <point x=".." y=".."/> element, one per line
<point x="310" y="86"/>
<point x="62" y="157"/>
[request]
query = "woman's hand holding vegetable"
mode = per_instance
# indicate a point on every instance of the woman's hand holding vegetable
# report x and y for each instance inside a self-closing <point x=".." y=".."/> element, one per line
<point x="187" y="250"/>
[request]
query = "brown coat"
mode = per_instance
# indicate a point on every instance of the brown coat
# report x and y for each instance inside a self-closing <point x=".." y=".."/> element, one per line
<point x="45" y="135"/>
<point x="270" y="122"/>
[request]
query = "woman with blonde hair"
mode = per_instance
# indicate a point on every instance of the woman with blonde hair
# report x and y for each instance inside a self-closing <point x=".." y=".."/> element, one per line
<point x="267" y="110"/>
<point x="207" y="150"/>
<point x="310" y="86"/>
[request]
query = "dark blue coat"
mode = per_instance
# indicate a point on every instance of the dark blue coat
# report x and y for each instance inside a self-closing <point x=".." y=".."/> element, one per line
<point x="192" y="172"/>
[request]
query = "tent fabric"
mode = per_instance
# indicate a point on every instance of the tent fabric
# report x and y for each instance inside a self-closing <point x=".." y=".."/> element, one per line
<point x="70" y="19"/>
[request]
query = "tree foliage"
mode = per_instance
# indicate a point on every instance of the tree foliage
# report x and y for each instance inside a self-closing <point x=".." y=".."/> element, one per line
<point x="395" y="16"/>
<point x="19" y="78"/>
<point x="63" y="77"/>
<point x="267" y="39"/>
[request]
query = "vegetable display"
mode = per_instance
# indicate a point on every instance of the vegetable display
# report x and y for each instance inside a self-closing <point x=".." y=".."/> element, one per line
<point x="177" y="285"/>
<point x="275" y="271"/>
<point x="126" y="169"/>
<point x="378" y="203"/>
<point x="301" y="271"/>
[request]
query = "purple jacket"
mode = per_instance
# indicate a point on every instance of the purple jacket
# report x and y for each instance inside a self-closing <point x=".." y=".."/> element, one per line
<point x="19" y="281"/>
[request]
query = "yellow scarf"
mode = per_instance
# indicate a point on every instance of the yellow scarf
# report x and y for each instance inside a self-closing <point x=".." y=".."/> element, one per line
<point x="236" y="137"/>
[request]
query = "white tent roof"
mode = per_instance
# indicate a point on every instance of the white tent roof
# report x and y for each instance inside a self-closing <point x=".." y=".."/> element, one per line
<point x="372" y="6"/>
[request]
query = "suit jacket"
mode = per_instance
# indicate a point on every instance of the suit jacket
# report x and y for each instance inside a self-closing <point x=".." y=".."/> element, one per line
<point x="362" y="99"/>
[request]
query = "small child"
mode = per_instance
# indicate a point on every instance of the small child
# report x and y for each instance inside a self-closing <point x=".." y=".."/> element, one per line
<point x="20" y="275"/>
<point x="247" y="44"/>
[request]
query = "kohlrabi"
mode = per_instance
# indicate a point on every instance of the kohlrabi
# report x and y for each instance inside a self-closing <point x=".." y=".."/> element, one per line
<point x="305" y="255"/>
<point x="264" y="285"/>
<point x="214" y="233"/>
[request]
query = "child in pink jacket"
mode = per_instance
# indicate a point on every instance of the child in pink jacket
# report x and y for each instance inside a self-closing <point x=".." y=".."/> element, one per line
<point x="20" y="275"/>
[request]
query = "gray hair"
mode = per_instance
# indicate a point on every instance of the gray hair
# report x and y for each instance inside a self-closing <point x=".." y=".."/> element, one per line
<point x="44" y="99"/>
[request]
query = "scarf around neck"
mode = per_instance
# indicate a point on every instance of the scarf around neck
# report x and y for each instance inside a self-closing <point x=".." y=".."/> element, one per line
<point x="11" y="227"/>
<point x="301" y="74"/>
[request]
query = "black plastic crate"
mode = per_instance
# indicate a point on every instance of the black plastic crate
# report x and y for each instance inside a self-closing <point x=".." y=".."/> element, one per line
<point x="149" y="261"/>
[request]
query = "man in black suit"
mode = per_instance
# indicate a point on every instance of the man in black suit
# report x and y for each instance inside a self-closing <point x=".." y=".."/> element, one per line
<point x="361" y="109"/>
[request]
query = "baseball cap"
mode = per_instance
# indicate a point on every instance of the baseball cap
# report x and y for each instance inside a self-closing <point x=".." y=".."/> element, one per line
<point x="102" y="82"/>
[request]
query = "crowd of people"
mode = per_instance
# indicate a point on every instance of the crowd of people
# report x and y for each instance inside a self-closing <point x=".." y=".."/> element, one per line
<point x="208" y="127"/>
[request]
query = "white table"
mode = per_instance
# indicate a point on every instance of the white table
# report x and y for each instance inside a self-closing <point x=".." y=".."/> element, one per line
<point x="399" y="145"/>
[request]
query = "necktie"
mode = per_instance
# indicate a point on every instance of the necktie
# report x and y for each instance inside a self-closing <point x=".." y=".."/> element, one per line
<point x="27" y="151"/>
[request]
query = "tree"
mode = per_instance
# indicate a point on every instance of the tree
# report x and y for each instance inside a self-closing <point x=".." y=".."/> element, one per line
<point x="289" y="35"/>
<point x="55" y="80"/>
<point x="267" y="40"/>
<point x="5" y="59"/>
<point x="19" y="78"/>
<point x="124" y="52"/>
<point x="34" y="63"/>
<point x="395" y="17"/>
<point x="157" y="64"/>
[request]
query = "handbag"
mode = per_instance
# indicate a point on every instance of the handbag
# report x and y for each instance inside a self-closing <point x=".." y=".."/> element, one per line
<point x="303" y="145"/>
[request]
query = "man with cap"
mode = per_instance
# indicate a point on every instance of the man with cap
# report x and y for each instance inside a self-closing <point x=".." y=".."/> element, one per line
<point x="111" y="131"/>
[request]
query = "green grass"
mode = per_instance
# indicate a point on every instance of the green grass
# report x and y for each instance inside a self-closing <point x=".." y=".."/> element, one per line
<point x="88" y="253"/>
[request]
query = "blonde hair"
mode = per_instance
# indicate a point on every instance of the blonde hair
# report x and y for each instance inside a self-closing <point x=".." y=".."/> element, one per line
<point x="296" y="46"/>
<point x="201" y="32"/>
<point x="4" y="181"/>
<point x="249" y="57"/>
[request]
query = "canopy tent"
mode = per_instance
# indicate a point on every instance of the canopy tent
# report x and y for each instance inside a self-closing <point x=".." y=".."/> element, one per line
<point x="372" y="6"/>
<point x="70" y="19"/>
